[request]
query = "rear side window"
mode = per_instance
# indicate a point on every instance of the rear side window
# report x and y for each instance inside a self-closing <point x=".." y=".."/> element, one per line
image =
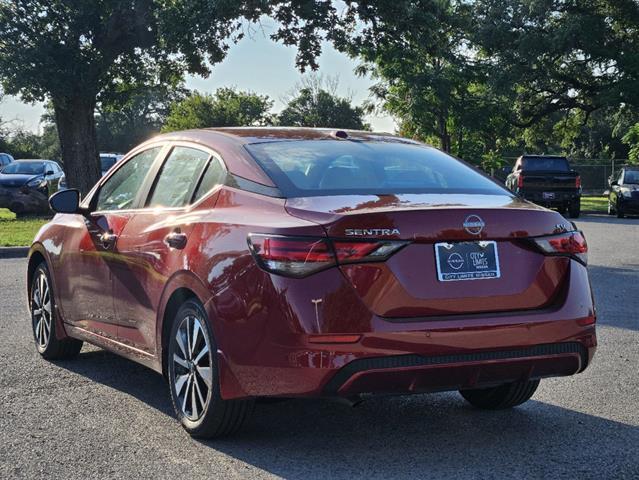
<point x="178" y="178"/>
<point x="631" y="177"/>
<point x="120" y="190"/>
<point x="107" y="162"/>
<point x="550" y="164"/>
<point x="214" y="175"/>
<point x="336" y="167"/>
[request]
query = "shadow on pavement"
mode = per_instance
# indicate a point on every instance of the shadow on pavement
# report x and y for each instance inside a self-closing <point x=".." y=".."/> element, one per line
<point x="419" y="436"/>
<point x="434" y="436"/>
<point x="121" y="374"/>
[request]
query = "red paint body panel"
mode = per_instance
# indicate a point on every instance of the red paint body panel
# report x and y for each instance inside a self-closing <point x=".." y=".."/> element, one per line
<point x="116" y="296"/>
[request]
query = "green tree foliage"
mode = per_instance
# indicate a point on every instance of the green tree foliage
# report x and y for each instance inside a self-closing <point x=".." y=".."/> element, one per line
<point x="557" y="56"/>
<point x="73" y="52"/>
<point x="631" y="138"/>
<point x="227" y="107"/>
<point x="21" y="143"/>
<point x="486" y="78"/>
<point x="316" y="104"/>
<point x="134" y="113"/>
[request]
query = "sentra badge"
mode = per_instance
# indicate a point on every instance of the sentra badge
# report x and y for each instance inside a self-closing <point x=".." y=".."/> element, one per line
<point x="371" y="232"/>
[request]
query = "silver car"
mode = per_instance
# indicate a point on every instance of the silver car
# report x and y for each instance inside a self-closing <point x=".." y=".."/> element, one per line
<point x="107" y="160"/>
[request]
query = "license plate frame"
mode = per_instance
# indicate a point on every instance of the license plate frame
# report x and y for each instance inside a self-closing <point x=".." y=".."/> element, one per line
<point x="548" y="195"/>
<point x="463" y="261"/>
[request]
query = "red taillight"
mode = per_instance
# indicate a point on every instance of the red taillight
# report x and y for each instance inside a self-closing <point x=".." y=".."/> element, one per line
<point x="578" y="182"/>
<point x="293" y="257"/>
<point x="365" y="251"/>
<point x="302" y="250"/>
<point x="572" y="244"/>
<point x="302" y="256"/>
<point x="520" y="181"/>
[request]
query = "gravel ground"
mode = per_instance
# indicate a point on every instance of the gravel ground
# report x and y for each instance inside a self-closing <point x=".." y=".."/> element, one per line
<point x="102" y="416"/>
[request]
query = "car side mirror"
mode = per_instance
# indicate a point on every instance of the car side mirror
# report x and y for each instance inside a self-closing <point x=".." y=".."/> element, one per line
<point x="614" y="183"/>
<point x="65" y="201"/>
<point x="49" y="172"/>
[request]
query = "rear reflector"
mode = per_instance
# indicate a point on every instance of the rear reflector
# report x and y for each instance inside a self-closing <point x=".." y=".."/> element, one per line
<point x="578" y="182"/>
<point x="520" y="181"/>
<point x="302" y="256"/>
<point x="334" y="338"/>
<point x="571" y="244"/>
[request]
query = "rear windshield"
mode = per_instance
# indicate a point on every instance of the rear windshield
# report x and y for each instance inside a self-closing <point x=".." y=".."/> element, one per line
<point x="338" y="167"/>
<point x="550" y="164"/>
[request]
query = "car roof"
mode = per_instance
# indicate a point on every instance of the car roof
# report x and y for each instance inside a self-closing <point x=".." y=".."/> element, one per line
<point x="229" y="142"/>
<point x="246" y="135"/>
<point x="35" y="160"/>
<point x="545" y="156"/>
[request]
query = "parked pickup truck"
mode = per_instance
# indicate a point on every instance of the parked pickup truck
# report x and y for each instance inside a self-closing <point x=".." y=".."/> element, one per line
<point x="548" y="181"/>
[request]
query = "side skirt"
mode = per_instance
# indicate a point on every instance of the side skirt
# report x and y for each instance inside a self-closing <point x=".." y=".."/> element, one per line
<point x="119" y="348"/>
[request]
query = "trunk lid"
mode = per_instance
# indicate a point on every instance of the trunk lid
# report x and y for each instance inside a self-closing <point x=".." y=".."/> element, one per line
<point x="407" y="285"/>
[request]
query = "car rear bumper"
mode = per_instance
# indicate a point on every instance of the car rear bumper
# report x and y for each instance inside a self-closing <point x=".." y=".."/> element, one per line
<point x="416" y="373"/>
<point x="630" y="205"/>
<point x="560" y="198"/>
<point x="420" y="355"/>
<point x="409" y="364"/>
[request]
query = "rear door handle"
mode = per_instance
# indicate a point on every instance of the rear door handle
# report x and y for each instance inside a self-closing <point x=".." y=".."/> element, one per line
<point x="176" y="239"/>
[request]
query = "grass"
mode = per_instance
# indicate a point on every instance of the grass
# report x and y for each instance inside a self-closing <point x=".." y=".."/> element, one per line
<point x="18" y="232"/>
<point x="594" y="204"/>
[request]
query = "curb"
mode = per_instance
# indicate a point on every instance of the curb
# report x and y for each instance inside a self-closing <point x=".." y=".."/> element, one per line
<point x="14" y="252"/>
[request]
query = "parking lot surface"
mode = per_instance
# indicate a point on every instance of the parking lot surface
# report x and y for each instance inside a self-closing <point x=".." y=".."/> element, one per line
<point x="100" y="416"/>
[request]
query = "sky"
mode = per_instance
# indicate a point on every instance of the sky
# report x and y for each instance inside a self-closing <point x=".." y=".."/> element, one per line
<point x="256" y="63"/>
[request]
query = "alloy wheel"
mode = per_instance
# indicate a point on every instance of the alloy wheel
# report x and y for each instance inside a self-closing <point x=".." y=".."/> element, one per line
<point x="41" y="310"/>
<point x="192" y="372"/>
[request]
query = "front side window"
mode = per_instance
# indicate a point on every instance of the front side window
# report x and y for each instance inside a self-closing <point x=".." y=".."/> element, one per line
<point x="336" y="167"/>
<point x="120" y="190"/>
<point x="178" y="178"/>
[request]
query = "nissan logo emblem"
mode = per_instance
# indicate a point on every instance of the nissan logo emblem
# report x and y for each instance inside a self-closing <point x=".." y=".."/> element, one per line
<point x="473" y="224"/>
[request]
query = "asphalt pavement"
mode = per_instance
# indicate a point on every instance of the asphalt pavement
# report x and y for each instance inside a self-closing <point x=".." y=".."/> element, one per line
<point x="101" y="416"/>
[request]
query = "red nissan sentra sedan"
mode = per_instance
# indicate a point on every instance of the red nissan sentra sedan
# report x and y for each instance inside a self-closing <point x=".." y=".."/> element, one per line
<point x="264" y="262"/>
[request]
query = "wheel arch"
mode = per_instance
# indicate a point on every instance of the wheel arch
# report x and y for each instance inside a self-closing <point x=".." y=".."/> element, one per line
<point x="182" y="286"/>
<point x="36" y="257"/>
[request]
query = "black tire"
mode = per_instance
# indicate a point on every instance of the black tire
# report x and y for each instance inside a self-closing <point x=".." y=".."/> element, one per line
<point x="501" y="397"/>
<point x="213" y="417"/>
<point x="44" y="319"/>
<point x="620" y="212"/>
<point x="574" y="209"/>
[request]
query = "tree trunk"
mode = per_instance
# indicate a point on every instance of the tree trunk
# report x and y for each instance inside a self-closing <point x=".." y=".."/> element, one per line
<point x="76" y="128"/>
<point x="444" y="137"/>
